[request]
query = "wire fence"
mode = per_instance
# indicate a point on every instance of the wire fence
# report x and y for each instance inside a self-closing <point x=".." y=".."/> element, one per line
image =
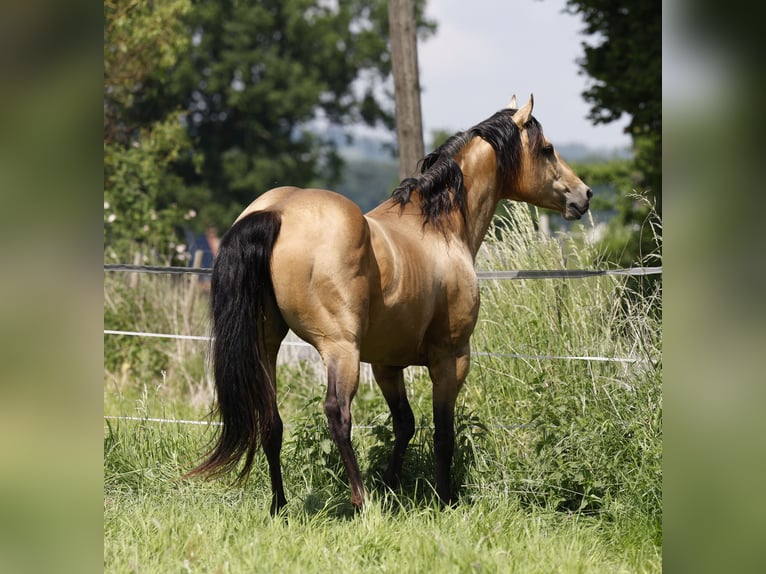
<point x="307" y="345"/>
<point x="482" y="275"/>
<point x="211" y="423"/>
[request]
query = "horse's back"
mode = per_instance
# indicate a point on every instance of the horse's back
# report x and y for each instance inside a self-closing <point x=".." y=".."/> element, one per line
<point x="313" y="220"/>
<point x="298" y="201"/>
<point x="320" y="262"/>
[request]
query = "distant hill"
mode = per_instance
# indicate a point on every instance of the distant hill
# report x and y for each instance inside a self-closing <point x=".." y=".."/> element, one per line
<point x="368" y="182"/>
<point x="582" y="153"/>
<point x="371" y="169"/>
<point x="379" y="147"/>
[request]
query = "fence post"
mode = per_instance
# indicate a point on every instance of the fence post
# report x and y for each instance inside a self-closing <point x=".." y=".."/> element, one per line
<point x="404" y="65"/>
<point x="134" y="276"/>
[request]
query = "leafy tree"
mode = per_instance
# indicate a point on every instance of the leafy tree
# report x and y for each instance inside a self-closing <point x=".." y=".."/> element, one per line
<point x="259" y="83"/>
<point x="625" y="63"/>
<point x="141" y="41"/>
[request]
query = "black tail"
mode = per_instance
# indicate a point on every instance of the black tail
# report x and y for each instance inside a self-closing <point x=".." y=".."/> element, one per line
<point x="241" y="289"/>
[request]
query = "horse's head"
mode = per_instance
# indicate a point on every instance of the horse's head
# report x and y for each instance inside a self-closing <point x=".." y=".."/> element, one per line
<point x="545" y="179"/>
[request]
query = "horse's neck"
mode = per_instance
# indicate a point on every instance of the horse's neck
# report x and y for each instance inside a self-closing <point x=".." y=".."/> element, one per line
<point x="479" y="165"/>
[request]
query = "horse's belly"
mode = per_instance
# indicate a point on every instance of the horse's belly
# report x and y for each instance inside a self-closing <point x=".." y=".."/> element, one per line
<point x="389" y="345"/>
<point x="417" y="332"/>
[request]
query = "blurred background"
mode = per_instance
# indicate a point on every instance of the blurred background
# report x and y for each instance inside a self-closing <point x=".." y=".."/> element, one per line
<point x="175" y="146"/>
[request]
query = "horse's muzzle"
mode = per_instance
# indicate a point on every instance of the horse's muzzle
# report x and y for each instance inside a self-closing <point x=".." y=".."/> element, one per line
<point x="576" y="209"/>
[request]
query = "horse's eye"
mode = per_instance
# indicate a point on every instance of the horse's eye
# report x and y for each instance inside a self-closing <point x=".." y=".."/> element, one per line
<point x="548" y="150"/>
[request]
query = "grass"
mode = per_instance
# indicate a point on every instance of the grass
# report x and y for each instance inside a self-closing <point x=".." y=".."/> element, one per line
<point x="558" y="462"/>
<point x="229" y="532"/>
<point x="155" y="523"/>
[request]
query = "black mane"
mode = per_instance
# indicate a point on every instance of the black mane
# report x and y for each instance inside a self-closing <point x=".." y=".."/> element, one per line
<point x="440" y="184"/>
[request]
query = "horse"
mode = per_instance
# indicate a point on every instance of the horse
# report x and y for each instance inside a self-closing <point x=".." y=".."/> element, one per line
<point x="393" y="287"/>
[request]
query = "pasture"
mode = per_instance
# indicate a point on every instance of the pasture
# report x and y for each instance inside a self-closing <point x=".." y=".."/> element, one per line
<point x="557" y="461"/>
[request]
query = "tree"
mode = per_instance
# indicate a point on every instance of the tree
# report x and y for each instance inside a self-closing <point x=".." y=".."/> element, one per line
<point x="261" y="84"/>
<point x="142" y="41"/>
<point x="625" y="65"/>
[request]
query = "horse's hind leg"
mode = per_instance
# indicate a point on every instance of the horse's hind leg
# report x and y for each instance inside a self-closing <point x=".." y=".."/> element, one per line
<point x="272" y="446"/>
<point x="391" y="382"/>
<point x="272" y="441"/>
<point x="342" y="383"/>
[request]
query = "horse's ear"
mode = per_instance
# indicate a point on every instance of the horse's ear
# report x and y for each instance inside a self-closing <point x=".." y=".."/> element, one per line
<point x="521" y="117"/>
<point x="512" y="104"/>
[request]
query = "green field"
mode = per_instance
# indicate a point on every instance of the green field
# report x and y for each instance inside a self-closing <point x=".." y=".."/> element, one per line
<point x="557" y="464"/>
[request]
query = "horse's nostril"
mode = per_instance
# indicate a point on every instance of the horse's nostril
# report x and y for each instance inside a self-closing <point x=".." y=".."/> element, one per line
<point x="589" y="193"/>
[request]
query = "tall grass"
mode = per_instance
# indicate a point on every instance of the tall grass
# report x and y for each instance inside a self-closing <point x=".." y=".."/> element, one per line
<point x="591" y="434"/>
<point x="557" y="465"/>
<point x="177" y="367"/>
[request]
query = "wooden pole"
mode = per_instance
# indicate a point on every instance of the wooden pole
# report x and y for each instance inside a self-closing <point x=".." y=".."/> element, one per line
<point x="404" y="64"/>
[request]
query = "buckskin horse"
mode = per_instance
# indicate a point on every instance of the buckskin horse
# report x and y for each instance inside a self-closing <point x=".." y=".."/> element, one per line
<point x="393" y="287"/>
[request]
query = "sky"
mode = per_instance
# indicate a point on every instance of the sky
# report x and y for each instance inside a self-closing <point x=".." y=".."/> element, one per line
<point x="486" y="50"/>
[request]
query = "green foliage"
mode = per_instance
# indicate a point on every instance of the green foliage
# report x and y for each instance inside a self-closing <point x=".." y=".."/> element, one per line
<point x="259" y="82"/>
<point x="593" y="449"/>
<point x="589" y="433"/>
<point x="625" y="65"/>
<point x="438" y="137"/>
<point x="625" y="61"/>
<point x="209" y="104"/>
<point x="312" y="452"/>
<point x="631" y="235"/>
<point x="610" y="181"/>
<point x="140" y="215"/>
<point x="156" y="305"/>
<point x="141" y="41"/>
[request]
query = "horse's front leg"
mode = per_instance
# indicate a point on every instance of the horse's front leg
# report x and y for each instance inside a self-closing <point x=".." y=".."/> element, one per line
<point x="447" y="375"/>
<point x="391" y="382"/>
<point x="342" y="383"/>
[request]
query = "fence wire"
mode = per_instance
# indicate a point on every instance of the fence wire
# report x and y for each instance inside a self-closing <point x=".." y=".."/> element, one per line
<point x="482" y="275"/>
